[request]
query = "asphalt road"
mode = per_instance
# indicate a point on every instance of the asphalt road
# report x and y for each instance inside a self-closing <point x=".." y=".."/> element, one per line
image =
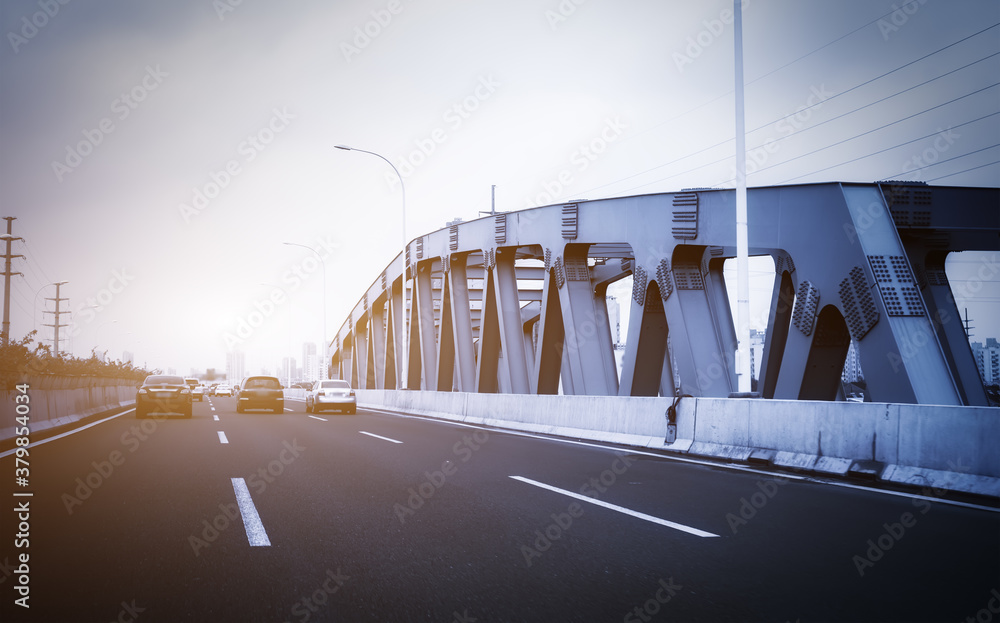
<point x="377" y="517"/>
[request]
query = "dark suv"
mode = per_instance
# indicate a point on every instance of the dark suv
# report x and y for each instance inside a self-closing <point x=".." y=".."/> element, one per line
<point x="261" y="392"/>
<point x="163" y="393"/>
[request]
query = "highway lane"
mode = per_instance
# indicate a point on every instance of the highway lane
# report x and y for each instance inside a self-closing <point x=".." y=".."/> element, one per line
<point x="437" y="528"/>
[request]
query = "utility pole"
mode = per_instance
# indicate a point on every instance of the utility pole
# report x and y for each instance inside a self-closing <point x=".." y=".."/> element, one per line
<point x="968" y="327"/>
<point x="57" y="312"/>
<point x="7" y="274"/>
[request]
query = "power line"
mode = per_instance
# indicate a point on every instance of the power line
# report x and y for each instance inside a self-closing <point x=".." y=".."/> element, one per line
<point x="719" y="144"/>
<point x="874" y="153"/>
<point x="878" y="101"/>
<point x="727" y="93"/>
<point x="881" y="127"/>
<point x="858" y="86"/>
<point x="988" y="164"/>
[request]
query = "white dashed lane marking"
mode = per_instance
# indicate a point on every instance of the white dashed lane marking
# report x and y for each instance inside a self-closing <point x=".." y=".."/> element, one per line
<point x="379" y="436"/>
<point x="615" y="507"/>
<point x="251" y="520"/>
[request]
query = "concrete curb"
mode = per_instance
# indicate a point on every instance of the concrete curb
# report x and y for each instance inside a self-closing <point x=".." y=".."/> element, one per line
<point x="935" y="448"/>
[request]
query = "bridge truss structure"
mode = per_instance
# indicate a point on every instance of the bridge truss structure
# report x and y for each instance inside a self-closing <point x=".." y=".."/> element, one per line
<point x="516" y="302"/>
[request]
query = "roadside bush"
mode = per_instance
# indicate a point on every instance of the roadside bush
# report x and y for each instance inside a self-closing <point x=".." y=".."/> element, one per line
<point x="25" y="358"/>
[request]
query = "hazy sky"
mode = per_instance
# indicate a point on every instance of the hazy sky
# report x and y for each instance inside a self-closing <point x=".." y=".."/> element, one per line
<point x="157" y="154"/>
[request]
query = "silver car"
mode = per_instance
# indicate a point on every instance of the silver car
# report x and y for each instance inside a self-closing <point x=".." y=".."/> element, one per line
<point x="333" y="394"/>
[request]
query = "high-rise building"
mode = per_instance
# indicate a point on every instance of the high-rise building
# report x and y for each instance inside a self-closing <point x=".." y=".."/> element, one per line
<point x="235" y="366"/>
<point x="756" y="351"/>
<point x="852" y="365"/>
<point x="310" y="362"/>
<point x="287" y="369"/>
<point x="988" y="360"/>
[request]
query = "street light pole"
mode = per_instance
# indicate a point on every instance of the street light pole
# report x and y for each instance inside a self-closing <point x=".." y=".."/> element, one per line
<point x="405" y="346"/>
<point x="322" y="263"/>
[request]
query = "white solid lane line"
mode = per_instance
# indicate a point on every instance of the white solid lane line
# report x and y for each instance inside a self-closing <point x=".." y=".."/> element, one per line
<point x="322" y="419"/>
<point x="222" y="437"/>
<point x="379" y="436"/>
<point x="67" y="433"/>
<point x="251" y="520"/>
<point x="620" y="509"/>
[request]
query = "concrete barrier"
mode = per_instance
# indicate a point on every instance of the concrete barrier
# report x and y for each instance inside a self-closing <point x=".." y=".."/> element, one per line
<point x="946" y="448"/>
<point x="62" y="401"/>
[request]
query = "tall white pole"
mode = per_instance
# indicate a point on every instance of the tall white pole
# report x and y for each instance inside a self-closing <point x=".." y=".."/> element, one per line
<point x="403" y="350"/>
<point x="742" y="241"/>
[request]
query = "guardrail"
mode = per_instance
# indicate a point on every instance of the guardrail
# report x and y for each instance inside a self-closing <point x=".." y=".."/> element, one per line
<point x="949" y="448"/>
<point x="55" y="401"/>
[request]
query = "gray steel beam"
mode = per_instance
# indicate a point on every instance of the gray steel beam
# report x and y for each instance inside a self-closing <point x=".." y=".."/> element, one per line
<point x="857" y="249"/>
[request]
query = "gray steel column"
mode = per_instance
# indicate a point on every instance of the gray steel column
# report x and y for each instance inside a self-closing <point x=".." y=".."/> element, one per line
<point x="393" y="360"/>
<point x="414" y="373"/>
<point x="424" y="300"/>
<point x="584" y="345"/>
<point x="551" y="339"/>
<point x="487" y="367"/>
<point x="646" y="346"/>
<point x="376" y="341"/>
<point x="461" y="317"/>
<point x="509" y="321"/>
<point x="776" y="335"/>
<point x="947" y="321"/>
<point x="704" y="366"/>
<point x="446" y="342"/>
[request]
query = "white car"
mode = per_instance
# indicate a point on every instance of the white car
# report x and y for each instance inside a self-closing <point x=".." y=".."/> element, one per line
<point x="332" y="394"/>
<point x="223" y="390"/>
